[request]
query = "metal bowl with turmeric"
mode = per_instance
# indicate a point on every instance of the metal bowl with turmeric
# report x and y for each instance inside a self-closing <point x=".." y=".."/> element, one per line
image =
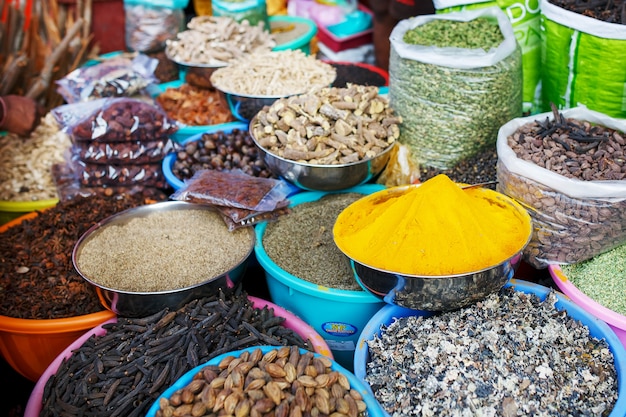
<point x="433" y="246"/>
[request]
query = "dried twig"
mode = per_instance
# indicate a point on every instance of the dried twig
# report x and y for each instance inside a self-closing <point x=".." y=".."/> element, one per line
<point x="43" y="82"/>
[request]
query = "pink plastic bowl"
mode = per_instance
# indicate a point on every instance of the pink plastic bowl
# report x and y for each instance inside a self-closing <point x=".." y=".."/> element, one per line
<point x="33" y="407"/>
<point x="616" y="321"/>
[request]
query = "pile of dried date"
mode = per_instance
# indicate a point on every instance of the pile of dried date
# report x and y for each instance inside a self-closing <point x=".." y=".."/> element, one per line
<point x="122" y="144"/>
<point x="283" y="381"/>
<point x="328" y="126"/>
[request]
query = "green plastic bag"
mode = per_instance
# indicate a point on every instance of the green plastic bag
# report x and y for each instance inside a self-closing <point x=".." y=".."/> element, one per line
<point x="525" y="19"/>
<point x="583" y="62"/>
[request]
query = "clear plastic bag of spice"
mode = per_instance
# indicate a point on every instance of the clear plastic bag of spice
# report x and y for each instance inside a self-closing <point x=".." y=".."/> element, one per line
<point x="137" y="152"/>
<point x="574" y="219"/>
<point x="234" y="189"/>
<point x="453" y="100"/>
<point x="115" y="77"/>
<point x="236" y="218"/>
<point x="118" y="119"/>
<point x="149" y="24"/>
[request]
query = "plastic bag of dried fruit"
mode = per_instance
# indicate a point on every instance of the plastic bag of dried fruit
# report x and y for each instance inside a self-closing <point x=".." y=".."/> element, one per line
<point x="235" y="189"/>
<point x="568" y="169"/>
<point x="119" y="76"/>
<point x="116" y="119"/>
<point x="401" y="169"/>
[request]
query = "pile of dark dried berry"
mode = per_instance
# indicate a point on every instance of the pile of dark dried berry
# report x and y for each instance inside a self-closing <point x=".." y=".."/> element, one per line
<point x="477" y="169"/>
<point x="356" y="74"/>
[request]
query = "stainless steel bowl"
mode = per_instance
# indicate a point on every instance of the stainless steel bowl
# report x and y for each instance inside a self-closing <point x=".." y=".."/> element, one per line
<point x="441" y="292"/>
<point x="196" y="74"/>
<point x="141" y="304"/>
<point x="435" y="293"/>
<point x="245" y="107"/>
<point x="323" y="177"/>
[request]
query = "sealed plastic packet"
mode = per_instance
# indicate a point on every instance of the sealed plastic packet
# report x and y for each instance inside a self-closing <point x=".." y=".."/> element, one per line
<point x="150" y="23"/>
<point x="119" y="76"/>
<point x="234" y="189"/>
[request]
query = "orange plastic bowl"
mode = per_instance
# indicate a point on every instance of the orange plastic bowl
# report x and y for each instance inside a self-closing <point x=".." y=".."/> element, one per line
<point x="29" y="346"/>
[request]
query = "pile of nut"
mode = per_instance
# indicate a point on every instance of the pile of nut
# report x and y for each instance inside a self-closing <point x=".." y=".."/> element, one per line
<point x="216" y="40"/>
<point x="25" y="163"/>
<point x="328" y="126"/>
<point x="220" y="150"/>
<point x="282" y="381"/>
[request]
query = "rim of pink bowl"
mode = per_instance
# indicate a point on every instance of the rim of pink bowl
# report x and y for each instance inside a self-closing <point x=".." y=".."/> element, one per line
<point x="293" y="322"/>
<point x="565" y="285"/>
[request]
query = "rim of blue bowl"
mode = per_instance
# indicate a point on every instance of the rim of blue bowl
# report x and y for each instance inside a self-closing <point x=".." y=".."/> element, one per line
<point x="597" y="328"/>
<point x="373" y="407"/>
<point x="299" y="284"/>
<point x="168" y="162"/>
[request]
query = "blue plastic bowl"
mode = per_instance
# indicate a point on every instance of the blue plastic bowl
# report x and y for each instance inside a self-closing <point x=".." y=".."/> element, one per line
<point x="373" y="408"/>
<point x="597" y="328"/>
<point x="168" y="162"/>
<point x="337" y="315"/>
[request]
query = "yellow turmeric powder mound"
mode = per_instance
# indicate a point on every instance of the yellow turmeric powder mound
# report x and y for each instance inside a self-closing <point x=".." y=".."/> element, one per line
<point x="435" y="228"/>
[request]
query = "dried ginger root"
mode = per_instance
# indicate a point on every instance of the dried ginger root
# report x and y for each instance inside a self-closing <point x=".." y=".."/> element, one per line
<point x="328" y="126"/>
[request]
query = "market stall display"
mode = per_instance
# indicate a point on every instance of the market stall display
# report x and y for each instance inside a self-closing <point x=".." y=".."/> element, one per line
<point x="327" y="140"/>
<point x="282" y="177"/>
<point x="568" y="169"/>
<point x="307" y="274"/>
<point x="433" y="246"/>
<point x="171" y="344"/>
<point x="186" y="253"/>
<point x="268" y="378"/>
<point x="44" y="303"/>
<point x="527" y="346"/>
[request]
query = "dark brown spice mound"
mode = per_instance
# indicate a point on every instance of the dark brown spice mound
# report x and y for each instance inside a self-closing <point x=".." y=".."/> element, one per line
<point x="477" y="169"/>
<point x="37" y="277"/>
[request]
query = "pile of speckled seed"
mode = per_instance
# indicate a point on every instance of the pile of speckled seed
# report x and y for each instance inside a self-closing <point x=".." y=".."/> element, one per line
<point x="508" y="355"/>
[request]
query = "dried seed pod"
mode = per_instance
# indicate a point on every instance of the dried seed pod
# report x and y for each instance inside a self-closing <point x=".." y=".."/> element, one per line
<point x="182" y="410"/>
<point x="290" y="372"/>
<point x="243" y="408"/>
<point x="275" y="371"/>
<point x="198" y="409"/>
<point x="273" y="392"/>
<point x="322" y="403"/>
<point x="255" y="384"/>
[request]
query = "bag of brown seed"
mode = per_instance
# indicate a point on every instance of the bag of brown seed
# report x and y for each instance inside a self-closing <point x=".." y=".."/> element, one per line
<point x="568" y="169"/>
